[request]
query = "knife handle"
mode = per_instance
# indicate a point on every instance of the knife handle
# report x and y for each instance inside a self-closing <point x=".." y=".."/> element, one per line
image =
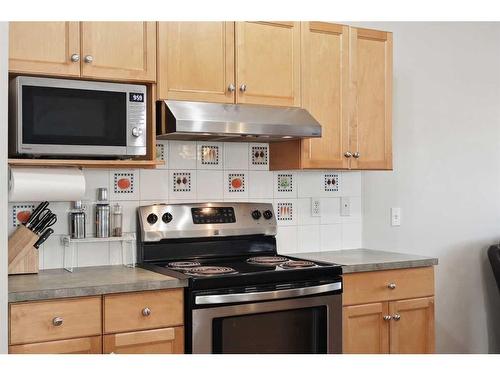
<point x="43" y="237"/>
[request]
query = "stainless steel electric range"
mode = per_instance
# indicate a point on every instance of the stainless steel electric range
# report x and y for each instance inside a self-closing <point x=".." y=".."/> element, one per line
<point x="242" y="296"/>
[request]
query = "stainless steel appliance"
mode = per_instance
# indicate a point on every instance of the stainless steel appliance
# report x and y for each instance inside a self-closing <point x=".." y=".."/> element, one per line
<point x="69" y="117"/>
<point x="233" y="122"/>
<point x="242" y="296"/>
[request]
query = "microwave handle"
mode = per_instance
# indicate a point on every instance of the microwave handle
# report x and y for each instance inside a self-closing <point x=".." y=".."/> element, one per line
<point x="270" y="295"/>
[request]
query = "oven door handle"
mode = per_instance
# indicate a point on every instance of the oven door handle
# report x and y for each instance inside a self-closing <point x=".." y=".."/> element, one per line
<point x="270" y="295"/>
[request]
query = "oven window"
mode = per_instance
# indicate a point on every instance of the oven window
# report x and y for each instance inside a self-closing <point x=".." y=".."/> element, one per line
<point x="299" y="331"/>
<point x="61" y="116"/>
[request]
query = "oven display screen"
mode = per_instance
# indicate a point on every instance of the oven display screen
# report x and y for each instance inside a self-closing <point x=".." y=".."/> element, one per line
<point x="213" y="215"/>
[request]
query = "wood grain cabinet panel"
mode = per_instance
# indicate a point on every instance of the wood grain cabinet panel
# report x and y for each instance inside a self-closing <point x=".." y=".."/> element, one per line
<point x="55" y="320"/>
<point x="196" y="61"/>
<point x="83" y="345"/>
<point x="119" y="50"/>
<point x="158" y="341"/>
<point x="268" y="63"/>
<point x="44" y="48"/>
<point x="144" y="310"/>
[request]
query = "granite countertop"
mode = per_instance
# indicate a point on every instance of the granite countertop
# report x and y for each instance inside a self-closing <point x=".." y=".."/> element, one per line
<point x="361" y="260"/>
<point x="87" y="281"/>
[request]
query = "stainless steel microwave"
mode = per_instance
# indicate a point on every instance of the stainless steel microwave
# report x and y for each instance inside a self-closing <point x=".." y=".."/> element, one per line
<point x="76" y="118"/>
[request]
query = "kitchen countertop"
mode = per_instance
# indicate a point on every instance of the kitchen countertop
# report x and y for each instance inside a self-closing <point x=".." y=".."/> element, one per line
<point x="361" y="260"/>
<point x="87" y="281"/>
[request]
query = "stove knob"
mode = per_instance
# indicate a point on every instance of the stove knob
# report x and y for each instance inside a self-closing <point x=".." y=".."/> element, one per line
<point x="256" y="214"/>
<point x="167" y="217"/>
<point x="152" y="219"/>
<point x="268" y="214"/>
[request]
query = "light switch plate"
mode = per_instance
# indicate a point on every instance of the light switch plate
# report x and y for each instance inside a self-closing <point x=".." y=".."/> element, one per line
<point x="395" y="216"/>
<point x="345" y="206"/>
<point x="315" y="207"/>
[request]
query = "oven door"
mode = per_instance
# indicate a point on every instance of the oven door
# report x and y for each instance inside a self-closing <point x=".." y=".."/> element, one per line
<point x="292" y="321"/>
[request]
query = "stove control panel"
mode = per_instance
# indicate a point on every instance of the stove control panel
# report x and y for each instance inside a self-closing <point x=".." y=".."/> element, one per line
<point x="213" y="215"/>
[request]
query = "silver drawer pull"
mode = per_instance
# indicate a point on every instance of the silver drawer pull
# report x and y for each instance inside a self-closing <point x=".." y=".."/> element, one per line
<point x="57" y="321"/>
<point x="396" y="317"/>
<point x="146" y="311"/>
<point x="391" y="286"/>
<point x="387" y="318"/>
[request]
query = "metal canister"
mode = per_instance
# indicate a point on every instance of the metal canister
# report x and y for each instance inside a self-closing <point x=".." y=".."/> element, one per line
<point x="77" y="221"/>
<point x="102" y="222"/>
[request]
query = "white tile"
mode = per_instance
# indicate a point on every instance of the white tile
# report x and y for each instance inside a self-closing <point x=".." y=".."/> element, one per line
<point x="351" y="184"/>
<point x="260" y="184"/>
<point x="330" y="210"/>
<point x="177" y="201"/>
<point x="162" y="154"/>
<point x="115" y="253"/>
<point x="304" y="216"/>
<point x="53" y="253"/>
<point x="235" y="155"/>
<point x="235" y="184"/>
<point x="61" y="209"/>
<point x="182" y="184"/>
<point x="331" y="184"/>
<point x="154" y="184"/>
<point x="124" y="185"/>
<point x="309" y="184"/>
<point x="151" y="202"/>
<point x="210" y="155"/>
<point x="286" y="240"/>
<point x="351" y="235"/>
<point x="286" y="211"/>
<point x="93" y="254"/>
<point x="95" y="178"/>
<point x="285" y="184"/>
<point x="258" y="156"/>
<point x="40" y="258"/>
<point x="182" y="155"/>
<point x="355" y="212"/>
<point x="331" y="237"/>
<point x="308" y="238"/>
<point x="209" y="185"/>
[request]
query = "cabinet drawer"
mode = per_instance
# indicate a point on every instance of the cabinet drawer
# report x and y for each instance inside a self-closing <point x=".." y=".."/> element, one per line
<point x="145" y="310"/>
<point x="38" y="321"/>
<point x="156" y="341"/>
<point x="377" y="286"/>
<point x="82" y="345"/>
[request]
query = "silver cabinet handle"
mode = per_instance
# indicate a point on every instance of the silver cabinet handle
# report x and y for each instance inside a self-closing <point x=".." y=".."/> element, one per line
<point x="231" y="88"/>
<point x="57" y="321"/>
<point x="356" y="155"/>
<point x="243" y="88"/>
<point x="146" y="311"/>
<point x="348" y="154"/>
<point x="88" y="59"/>
<point x="75" y="57"/>
<point x="387" y="318"/>
<point x="391" y="286"/>
<point x="396" y="317"/>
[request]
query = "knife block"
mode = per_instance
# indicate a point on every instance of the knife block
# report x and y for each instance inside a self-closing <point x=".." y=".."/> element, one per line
<point x="23" y="257"/>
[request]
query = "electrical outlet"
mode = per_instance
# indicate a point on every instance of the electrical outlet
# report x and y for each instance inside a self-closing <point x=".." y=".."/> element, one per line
<point x="395" y="216"/>
<point x="315" y="207"/>
<point x="345" y="206"/>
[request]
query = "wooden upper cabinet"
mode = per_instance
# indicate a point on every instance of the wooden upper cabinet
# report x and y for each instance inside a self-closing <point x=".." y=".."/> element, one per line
<point x="268" y="63"/>
<point x="196" y="61"/>
<point x="44" y="48"/>
<point x="371" y="85"/>
<point x="364" y="329"/>
<point x="412" y="332"/>
<point x="325" y="63"/>
<point x="119" y="50"/>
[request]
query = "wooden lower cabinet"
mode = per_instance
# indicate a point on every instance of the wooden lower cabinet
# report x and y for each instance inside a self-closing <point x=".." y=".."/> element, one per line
<point x="83" y="345"/>
<point x="156" y="341"/>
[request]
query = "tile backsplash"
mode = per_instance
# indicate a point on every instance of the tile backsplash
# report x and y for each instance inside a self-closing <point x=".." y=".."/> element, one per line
<point x="215" y="171"/>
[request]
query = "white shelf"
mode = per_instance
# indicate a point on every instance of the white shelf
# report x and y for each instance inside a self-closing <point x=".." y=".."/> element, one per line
<point x="68" y="240"/>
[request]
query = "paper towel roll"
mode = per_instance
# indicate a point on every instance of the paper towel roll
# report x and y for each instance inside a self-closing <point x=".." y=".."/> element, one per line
<point x="46" y="184"/>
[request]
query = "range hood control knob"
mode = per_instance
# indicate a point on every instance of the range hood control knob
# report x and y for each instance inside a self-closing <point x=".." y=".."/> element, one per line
<point x="268" y="214"/>
<point x="256" y="214"/>
<point x="167" y="217"/>
<point x="152" y="219"/>
<point x="137" y="132"/>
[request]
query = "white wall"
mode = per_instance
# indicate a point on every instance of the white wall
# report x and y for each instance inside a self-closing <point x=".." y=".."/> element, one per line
<point x="4" y="40"/>
<point x="446" y="173"/>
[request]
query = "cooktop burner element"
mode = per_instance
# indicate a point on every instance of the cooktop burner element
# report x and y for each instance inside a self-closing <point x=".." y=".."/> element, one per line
<point x="183" y="265"/>
<point x="268" y="260"/>
<point x="298" y="264"/>
<point x="210" y="271"/>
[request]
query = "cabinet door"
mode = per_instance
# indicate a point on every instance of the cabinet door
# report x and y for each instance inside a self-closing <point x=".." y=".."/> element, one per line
<point x="364" y="329"/>
<point x="412" y="326"/>
<point x="196" y="61"/>
<point x="157" y="341"/>
<point x="268" y="63"/>
<point x="119" y="50"/>
<point x="325" y="82"/>
<point x="371" y="99"/>
<point x="44" y="48"/>
<point x="84" y="345"/>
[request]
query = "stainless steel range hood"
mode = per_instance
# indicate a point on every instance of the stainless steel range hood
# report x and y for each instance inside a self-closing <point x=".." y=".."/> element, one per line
<point x="232" y="122"/>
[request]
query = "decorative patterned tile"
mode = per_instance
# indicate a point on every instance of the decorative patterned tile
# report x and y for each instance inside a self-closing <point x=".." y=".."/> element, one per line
<point x="331" y="182"/>
<point x="236" y="182"/>
<point x="285" y="184"/>
<point x="209" y="155"/>
<point x="124" y="185"/>
<point x="20" y="213"/>
<point x="181" y="181"/>
<point x="161" y="153"/>
<point x="285" y="211"/>
<point x="182" y="184"/>
<point x="259" y="156"/>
